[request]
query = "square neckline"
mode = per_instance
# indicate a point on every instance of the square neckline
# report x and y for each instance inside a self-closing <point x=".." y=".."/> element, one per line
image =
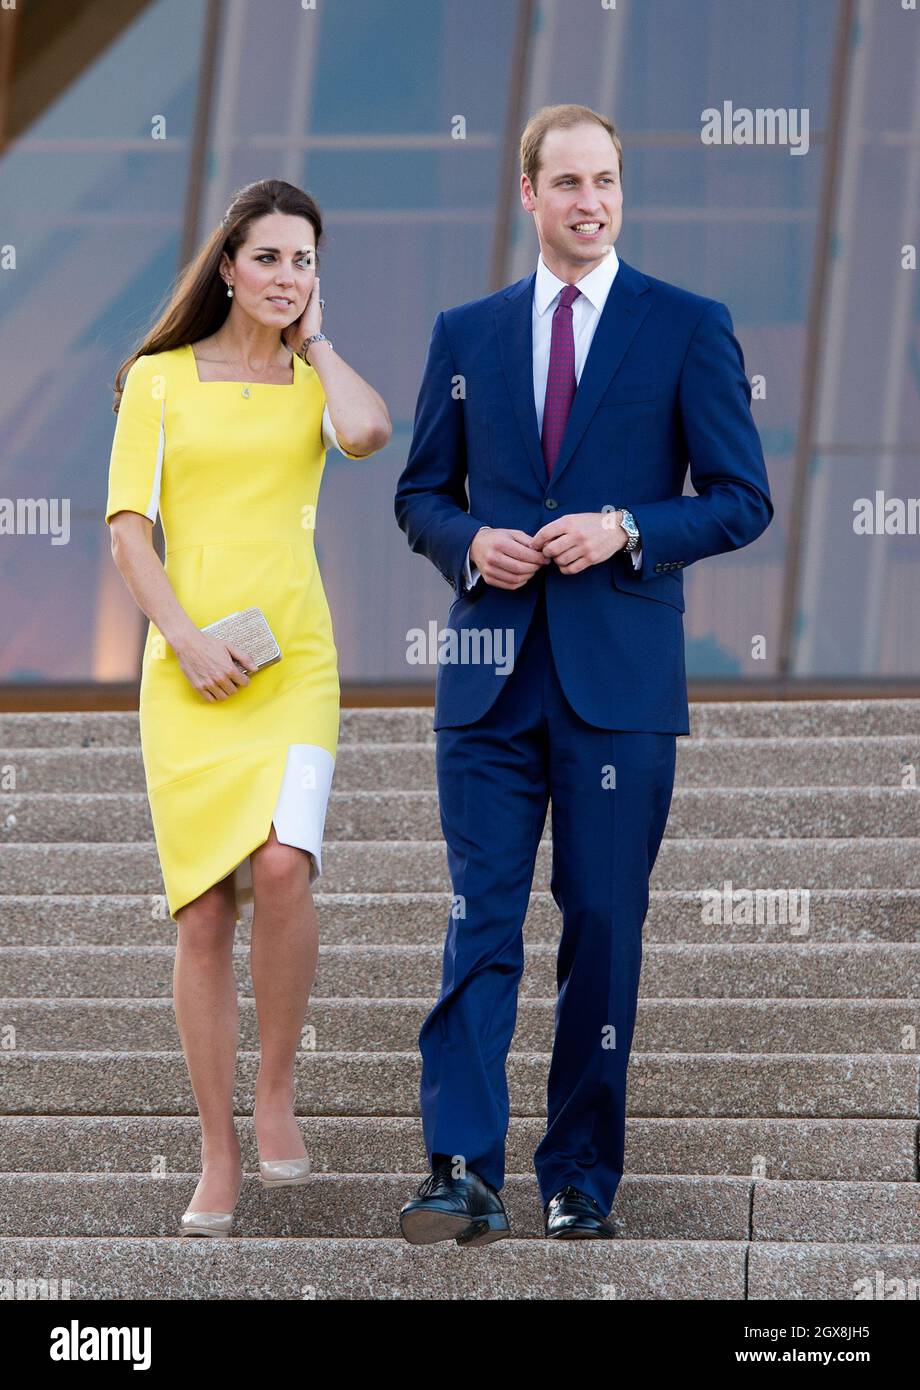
<point x="276" y="385"/>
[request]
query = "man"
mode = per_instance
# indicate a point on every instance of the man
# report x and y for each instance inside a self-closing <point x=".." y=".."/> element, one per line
<point x="570" y="403"/>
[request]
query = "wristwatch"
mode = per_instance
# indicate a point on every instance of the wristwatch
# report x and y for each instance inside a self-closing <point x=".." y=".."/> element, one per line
<point x="628" y="522"/>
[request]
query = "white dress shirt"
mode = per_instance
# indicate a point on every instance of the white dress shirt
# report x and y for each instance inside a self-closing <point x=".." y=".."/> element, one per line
<point x="586" y="311"/>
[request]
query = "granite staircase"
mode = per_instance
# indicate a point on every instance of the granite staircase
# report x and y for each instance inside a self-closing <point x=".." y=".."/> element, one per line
<point x="772" y="1136"/>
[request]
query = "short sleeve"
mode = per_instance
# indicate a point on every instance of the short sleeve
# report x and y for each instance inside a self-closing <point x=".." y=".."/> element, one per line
<point x="136" y="462"/>
<point x="331" y="439"/>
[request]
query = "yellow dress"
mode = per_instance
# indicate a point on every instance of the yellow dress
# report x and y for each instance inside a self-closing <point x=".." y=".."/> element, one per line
<point x="234" y="470"/>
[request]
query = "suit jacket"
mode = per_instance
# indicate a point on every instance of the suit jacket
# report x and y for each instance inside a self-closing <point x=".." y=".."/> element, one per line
<point x="663" y="387"/>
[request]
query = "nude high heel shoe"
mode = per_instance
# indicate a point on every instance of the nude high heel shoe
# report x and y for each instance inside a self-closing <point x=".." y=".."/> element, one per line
<point x="284" y="1172"/>
<point x="206" y="1223"/>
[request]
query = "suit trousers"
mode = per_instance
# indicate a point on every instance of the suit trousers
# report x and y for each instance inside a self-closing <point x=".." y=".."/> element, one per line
<point x="610" y="792"/>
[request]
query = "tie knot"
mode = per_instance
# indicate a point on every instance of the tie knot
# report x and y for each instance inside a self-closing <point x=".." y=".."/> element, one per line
<point x="569" y="295"/>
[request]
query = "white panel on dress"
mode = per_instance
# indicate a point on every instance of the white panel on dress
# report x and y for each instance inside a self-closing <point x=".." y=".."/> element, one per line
<point x="153" y="506"/>
<point x="300" y="811"/>
<point x="330" y="438"/>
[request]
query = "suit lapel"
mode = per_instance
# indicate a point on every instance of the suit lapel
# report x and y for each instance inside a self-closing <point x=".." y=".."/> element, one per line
<point x="514" y="328"/>
<point x="623" y="312"/>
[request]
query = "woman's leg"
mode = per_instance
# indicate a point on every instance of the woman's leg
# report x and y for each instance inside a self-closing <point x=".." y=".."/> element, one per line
<point x="207" y="1014"/>
<point x="283" y="953"/>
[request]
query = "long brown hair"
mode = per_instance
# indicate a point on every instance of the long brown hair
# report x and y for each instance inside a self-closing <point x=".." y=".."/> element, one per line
<point x="198" y="303"/>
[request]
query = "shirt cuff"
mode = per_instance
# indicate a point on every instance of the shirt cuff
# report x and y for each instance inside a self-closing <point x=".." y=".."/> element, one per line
<point x="470" y="572"/>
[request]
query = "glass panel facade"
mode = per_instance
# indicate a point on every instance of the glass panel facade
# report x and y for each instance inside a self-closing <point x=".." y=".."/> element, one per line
<point x="858" y="605"/>
<point x="93" y="203"/>
<point x="362" y="104"/>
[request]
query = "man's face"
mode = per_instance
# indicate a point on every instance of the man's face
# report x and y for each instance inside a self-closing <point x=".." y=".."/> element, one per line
<point x="578" y="185"/>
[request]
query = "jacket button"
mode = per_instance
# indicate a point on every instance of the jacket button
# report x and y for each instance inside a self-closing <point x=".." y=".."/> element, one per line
<point x="551" y="503"/>
<point x="658" y="567"/>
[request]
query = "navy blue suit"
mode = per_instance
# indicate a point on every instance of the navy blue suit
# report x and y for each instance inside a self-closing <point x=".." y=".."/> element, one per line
<point x="588" y="714"/>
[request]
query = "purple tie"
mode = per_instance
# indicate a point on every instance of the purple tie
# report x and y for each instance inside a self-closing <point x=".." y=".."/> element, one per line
<point x="560" y="380"/>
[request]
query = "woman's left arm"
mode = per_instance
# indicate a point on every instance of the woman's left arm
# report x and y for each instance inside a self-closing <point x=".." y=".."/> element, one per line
<point x="358" y="412"/>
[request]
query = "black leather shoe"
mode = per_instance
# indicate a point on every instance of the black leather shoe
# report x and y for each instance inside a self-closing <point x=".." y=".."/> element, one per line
<point x="465" y="1209"/>
<point x="573" y="1215"/>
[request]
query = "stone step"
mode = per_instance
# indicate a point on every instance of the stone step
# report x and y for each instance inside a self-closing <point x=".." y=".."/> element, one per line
<point x="835" y="915"/>
<point x="868" y="1212"/>
<point x="723" y="971"/>
<point x="660" y="1085"/>
<point x="887" y="1026"/>
<point x="822" y="1149"/>
<point x="336" y="1206"/>
<point x="246" y="1269"/>
<point x="390" y="866"/>
<point x="829" y="1272"/>
<point x="413" y="724"/>
<point x="879" y="761"/>
<point x="412" y="816"/>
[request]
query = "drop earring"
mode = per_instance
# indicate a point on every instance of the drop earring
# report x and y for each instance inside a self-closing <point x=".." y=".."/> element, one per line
<point x="229" y="291"/>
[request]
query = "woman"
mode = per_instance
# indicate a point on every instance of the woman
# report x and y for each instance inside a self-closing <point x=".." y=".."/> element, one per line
<point x="225" y="414"/>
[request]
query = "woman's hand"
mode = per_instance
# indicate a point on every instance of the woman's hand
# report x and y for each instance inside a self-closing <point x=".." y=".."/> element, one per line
<point x="210" y="666"/>
<point x="310" y="321"/>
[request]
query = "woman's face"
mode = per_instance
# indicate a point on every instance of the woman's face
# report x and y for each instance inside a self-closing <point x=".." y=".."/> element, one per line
<point x="274" y="270"/>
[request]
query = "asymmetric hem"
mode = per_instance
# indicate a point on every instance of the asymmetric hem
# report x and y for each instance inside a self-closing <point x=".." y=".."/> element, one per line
<point x="300" y="813"/>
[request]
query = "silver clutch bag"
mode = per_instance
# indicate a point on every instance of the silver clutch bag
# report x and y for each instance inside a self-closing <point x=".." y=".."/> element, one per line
<point x="248" y="628"/>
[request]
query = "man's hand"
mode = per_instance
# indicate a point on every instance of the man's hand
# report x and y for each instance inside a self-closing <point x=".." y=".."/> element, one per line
<point x="584" y="538"/>
<point x="506" y="558"/>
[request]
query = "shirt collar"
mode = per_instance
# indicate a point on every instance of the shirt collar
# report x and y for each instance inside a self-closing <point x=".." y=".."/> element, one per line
<point x="595" y="286"/>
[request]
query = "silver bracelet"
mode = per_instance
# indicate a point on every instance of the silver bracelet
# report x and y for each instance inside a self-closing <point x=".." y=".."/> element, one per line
<point x="314" y="338"/>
